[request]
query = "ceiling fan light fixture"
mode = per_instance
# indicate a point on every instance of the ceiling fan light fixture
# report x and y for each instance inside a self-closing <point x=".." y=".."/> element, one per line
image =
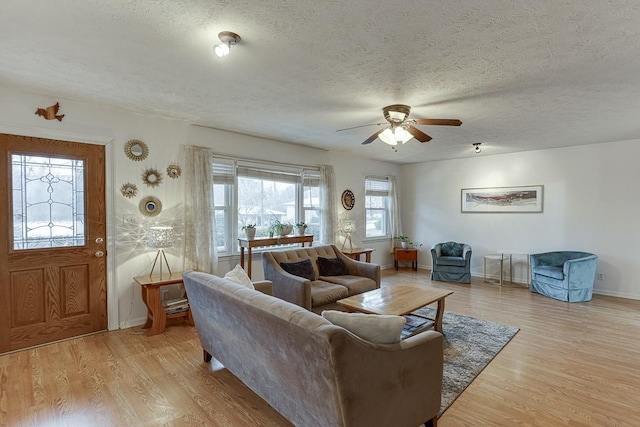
<point x="402" y="135"/>
<point x="388" y="137"/>
<point x="228" y="39"/>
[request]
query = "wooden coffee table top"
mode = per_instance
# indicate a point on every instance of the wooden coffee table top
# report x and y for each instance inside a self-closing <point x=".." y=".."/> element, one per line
<point x="396" y="299"/>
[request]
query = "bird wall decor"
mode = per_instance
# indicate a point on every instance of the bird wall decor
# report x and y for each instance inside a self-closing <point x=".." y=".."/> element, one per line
<point x="50" y="112"/>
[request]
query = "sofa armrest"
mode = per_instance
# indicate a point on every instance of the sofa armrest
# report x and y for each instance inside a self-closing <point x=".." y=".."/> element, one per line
<point x="286" y="286"/>
<point x="360" y="268"/>
<point x="264" y="286"/>
<point x="411" y="369"/>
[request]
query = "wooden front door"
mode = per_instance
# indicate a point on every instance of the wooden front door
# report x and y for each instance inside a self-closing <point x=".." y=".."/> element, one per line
<point x="52" y="241"/>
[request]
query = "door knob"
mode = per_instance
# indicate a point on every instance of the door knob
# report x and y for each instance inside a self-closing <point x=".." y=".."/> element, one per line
<point x="99" y="240"/>
<point x="99" y="254"/>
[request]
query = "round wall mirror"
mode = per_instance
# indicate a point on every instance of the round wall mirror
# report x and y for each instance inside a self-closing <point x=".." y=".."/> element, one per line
<point x="136" y="150"/>
<point x="151" y="177"/>
<point x="150" y="206"/>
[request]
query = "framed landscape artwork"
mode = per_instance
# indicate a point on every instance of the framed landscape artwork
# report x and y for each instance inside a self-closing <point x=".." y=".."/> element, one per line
<point x="502" y="199"/>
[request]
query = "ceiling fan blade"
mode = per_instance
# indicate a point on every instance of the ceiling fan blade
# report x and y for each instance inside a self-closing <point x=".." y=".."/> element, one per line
<point x="361" y="126"/>
<point x="372" y="137"/>
<point x="440" y="122"/>
<point x="418" y="134"/>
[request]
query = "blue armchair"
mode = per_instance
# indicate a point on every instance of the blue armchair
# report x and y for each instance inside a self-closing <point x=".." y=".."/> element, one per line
<point x="566" y="276"/>
<point x="451" y="262"/>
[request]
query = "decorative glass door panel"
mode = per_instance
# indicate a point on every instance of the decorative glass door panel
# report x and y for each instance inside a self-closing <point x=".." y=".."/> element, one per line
<point x="48" y="202"/>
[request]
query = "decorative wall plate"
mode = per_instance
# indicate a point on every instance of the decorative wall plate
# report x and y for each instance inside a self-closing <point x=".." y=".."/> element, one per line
<point x="151" y="177"/>
<point x="174" y="171"/>
<point x="129" y="190"/>
<point x="348" y="199"/>
<point x="136" y="150"/>
<point x="150" y="206"/>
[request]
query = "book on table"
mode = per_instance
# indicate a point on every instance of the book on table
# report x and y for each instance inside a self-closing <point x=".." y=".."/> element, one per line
<point x="415" y="324"/>
<point x="175" y="301"/>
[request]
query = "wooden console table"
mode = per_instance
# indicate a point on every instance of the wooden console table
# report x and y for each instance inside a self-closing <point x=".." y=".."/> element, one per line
<point x="268" y="241"/>
<point x="356" y="252"/>
<point x="156" y="315"/>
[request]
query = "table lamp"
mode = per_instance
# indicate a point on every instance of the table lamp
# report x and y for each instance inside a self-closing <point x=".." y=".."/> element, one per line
<point x="160" y="237"/>
<point x="347" y="226"/>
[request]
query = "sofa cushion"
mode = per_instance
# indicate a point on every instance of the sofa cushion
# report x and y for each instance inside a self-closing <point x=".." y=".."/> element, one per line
<point x="301" y="268"/>
<point x="355" y="284"/>
<point x="331" y="267"/>
<point x="239" y="276"/>
<point x="452" y="249"/>
<point x="549" y="271"/>
<point x="451" y="261"/>
<point x="377" y="328"/>
<point x="324" y="292"/>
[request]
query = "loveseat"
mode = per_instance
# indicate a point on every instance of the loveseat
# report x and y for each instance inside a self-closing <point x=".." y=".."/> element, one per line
<point x="317" y="281"/>
<point x="311" y="371"/>
<point x="564" y="275"/>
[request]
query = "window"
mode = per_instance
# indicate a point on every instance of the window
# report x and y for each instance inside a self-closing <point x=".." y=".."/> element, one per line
<point x="261" y="193"/>
<point x="376" y="206"/>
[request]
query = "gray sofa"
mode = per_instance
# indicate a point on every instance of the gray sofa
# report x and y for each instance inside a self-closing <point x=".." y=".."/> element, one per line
<point x="313" y="372"/>
<point x="320" y="292"/>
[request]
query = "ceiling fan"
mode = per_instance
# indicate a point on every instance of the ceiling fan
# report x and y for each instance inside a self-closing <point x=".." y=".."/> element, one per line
<point x="401" y="129"/>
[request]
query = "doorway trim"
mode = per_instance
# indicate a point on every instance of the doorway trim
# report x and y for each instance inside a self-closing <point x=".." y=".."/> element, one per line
<point x="108" y="143"/>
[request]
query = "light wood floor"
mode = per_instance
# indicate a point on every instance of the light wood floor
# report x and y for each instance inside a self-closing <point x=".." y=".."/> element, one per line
<point x="570" y="364"/>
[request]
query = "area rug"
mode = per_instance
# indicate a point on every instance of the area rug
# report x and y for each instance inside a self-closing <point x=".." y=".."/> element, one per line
<point x="469" y="345"/>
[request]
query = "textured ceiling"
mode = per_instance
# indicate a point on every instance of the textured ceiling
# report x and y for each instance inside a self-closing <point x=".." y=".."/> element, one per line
<point x="521" y="75"/>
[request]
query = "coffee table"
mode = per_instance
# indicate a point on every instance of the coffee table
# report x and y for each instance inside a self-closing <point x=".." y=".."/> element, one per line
<point x="399" y="300"/>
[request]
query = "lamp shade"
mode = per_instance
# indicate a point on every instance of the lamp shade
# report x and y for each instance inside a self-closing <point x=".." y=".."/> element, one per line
<point x="160" y="237"/>
<point x="347" y="226"/>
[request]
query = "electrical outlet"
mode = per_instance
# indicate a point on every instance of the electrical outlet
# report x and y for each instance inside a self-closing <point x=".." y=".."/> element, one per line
<point x="129" y="219"/>
<point x="600" y="276"/>
<point x="164" y="294"/>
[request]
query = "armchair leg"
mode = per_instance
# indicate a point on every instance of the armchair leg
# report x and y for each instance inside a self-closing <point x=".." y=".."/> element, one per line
<point x="207" y="356"/>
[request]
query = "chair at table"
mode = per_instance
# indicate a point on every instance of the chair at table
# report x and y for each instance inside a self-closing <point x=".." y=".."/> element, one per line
<point x="451" y="262"/>
<point x="564" y="275"/>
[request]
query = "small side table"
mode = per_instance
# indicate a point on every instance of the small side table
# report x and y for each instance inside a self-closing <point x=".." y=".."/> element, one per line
<point x="407" y="255"/>
<point x="500" y="259"/>
<point x="156" y="315"/>
<point x="356" y="252"/>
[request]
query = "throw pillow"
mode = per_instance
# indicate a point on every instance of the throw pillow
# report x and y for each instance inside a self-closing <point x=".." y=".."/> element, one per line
<point x="377" y="328"/>
<point x="300" y="268"/>
<point x="331" y="267"/>
<point x="452" y="249"/>
<point x="237" y="275"/>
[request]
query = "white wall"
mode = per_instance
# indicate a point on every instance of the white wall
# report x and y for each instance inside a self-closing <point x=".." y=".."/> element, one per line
<point x="165" y="138"/>
<point x="590" y="204"/>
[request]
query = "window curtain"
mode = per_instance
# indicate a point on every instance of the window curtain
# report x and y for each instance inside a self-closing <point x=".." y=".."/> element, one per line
<point x="395" y="222"/>
<point x="200" y="251"/>
<point x="328" y="204"/>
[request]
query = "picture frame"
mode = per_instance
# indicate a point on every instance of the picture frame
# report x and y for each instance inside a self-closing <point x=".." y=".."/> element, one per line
<point x="519" y="199"/>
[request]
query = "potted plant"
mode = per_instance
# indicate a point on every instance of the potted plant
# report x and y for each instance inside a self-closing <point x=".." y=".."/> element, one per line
<point x="280" y="228"/>
<point x="406" y="243"/>
<point x="250" y="231"/>
<point x="301" y="227"/>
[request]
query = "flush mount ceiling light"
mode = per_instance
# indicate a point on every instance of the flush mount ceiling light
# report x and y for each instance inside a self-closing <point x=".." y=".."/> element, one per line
<point x="477" y="145"/>
<point x="228" y="39"/>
